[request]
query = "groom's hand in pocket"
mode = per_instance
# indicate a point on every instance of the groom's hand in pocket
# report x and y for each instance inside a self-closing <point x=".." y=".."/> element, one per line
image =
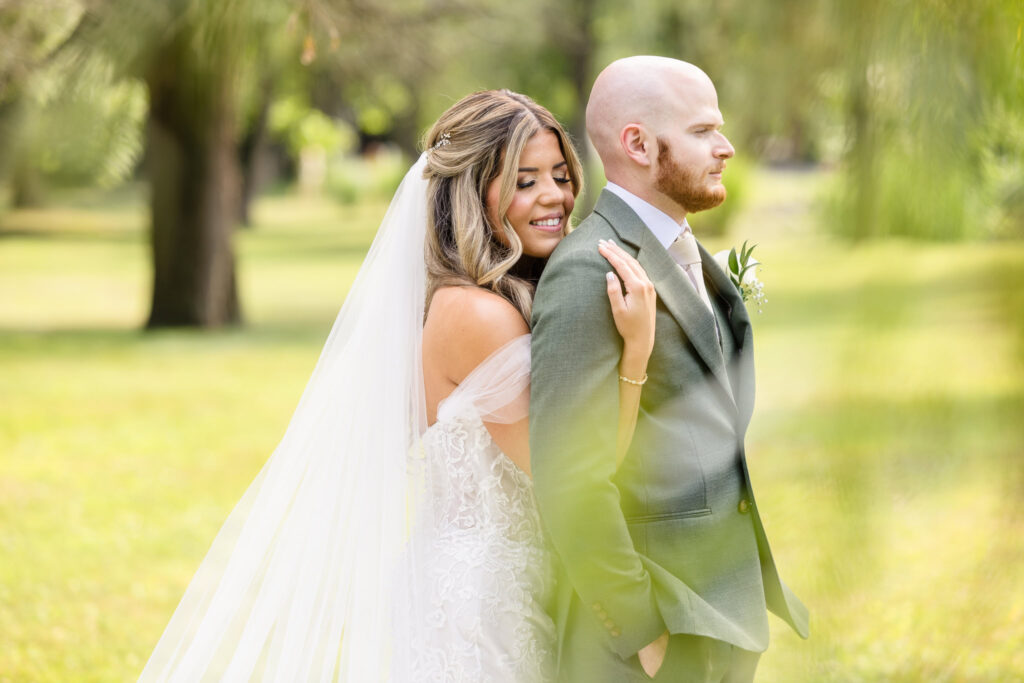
<point x="653" y="656"/>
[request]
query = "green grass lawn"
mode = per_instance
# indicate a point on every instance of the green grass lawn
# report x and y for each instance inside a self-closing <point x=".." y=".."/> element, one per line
<point x="887" y="447"/>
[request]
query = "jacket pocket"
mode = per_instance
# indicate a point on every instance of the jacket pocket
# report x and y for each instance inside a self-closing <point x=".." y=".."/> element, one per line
<point x="662" y="516"/>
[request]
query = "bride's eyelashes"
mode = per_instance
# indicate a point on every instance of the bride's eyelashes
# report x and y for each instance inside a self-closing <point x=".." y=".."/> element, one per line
<point x="522" y="185"/>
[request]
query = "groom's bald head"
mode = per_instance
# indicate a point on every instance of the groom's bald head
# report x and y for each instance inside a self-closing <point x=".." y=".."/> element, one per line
<point x="648" y="91"/>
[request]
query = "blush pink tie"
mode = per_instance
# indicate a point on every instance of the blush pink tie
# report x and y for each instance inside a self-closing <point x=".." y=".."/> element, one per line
<point x="684" y="252"/>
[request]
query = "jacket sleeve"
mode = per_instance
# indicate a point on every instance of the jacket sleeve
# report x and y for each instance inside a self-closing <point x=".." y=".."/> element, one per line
<point x="573" y="420"/>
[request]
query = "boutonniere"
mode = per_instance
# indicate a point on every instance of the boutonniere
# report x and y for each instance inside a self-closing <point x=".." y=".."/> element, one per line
<point x="742" y="270"/>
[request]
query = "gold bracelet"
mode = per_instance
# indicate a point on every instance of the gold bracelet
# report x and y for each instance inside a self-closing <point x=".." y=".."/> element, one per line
<point x="635" y="382"/>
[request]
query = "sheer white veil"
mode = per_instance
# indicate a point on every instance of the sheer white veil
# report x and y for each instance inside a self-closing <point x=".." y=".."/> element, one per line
<point x="300" y="583"/>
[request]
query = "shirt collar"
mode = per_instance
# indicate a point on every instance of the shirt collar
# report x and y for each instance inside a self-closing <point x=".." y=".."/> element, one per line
<point x="661" y="225"/>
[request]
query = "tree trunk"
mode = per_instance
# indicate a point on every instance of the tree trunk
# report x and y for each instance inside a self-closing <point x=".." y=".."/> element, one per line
<point x="579" y="53"/>
<point x="861" y="214"/>
<point x="861" y="159"/>
<point x="580" y="56"/>
<point x="194" y="177"/>
<point x="406" y="130"/>
<point x="26" y="184"/>
<point x="251" y="152"/>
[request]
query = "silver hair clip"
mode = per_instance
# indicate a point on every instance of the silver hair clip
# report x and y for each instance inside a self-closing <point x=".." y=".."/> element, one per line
<point x="445" y="139"/>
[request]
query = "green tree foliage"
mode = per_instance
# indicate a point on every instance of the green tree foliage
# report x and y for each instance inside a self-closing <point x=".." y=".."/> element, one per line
<point x="918" y="102"/>
<point x="934" y="115"/>
<point x="372" y="65"/>
<point x="32" y="37"/>
<point x="108" y="112"/>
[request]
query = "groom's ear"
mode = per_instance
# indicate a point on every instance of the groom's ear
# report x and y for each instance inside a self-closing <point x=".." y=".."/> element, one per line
<point x="638" y="144"/>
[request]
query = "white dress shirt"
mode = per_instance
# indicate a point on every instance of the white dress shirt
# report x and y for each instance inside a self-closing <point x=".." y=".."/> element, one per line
<point x="666" y="230"/>
<point x="663" y="226"/>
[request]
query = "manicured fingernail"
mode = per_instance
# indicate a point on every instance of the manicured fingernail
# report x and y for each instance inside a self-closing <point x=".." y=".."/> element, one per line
<point x="610" y="275"/>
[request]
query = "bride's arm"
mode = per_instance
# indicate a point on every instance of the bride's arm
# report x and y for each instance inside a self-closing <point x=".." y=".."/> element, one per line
<point x="634" y="313"/>
<point x="464" y="327"/>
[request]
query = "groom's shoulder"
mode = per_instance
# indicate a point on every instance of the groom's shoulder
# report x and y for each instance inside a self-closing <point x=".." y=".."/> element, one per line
<point x="580" y="245"/>
<point x="595" y="225"/>
<point x="576" y="270"/>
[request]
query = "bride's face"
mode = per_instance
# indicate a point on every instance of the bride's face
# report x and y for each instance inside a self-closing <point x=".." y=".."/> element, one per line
<point x="543" y="199"/>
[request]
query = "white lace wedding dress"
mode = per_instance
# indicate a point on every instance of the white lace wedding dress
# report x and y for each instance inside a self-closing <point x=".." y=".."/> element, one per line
<point x="348" y="560"/>
<point x="487" y="575"/>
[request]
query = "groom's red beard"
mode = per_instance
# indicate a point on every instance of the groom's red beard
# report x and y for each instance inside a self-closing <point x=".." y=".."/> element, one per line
<point x="686" y="187"/>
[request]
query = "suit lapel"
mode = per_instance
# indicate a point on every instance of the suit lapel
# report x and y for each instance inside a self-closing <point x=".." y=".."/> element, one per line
<point x="672" y="285"/>
<point x="739" y="322"/>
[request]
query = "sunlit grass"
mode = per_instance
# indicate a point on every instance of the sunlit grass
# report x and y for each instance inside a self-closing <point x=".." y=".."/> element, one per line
<point x="889" y="456"/>
<point x="887" y="446"/>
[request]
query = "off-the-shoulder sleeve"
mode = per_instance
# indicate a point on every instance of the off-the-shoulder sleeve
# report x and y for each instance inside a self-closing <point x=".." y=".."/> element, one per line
<point x="497" y="390"/>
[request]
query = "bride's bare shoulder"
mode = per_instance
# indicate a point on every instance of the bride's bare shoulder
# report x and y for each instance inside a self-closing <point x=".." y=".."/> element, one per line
<point x="467" y="324"/>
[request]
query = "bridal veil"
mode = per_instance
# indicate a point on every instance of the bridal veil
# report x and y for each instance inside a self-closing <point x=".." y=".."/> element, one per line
<point x="304" y="580"/>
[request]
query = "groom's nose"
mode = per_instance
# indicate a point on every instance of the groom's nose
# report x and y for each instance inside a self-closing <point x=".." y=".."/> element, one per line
<point x="723" y="148"/>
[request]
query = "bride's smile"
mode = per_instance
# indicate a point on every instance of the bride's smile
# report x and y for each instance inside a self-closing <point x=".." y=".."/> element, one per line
<point x="542" y="197"/>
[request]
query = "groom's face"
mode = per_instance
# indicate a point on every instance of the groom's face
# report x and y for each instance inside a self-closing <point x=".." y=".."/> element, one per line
<point x="692" y="151"/>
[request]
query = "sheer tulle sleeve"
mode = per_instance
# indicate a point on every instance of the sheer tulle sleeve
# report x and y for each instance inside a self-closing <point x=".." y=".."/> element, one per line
<point x="498" y="390"/>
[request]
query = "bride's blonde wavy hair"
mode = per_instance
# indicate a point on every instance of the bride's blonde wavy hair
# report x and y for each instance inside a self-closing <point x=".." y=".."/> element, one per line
<point x="478" y="139"/>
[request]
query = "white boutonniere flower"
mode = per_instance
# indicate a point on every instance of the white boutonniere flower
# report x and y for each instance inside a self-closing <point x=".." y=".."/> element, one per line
<point x="742" y="270"/>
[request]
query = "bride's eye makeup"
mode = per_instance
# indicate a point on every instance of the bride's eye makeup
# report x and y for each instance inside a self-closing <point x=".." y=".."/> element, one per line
<point x="527" y="181"/>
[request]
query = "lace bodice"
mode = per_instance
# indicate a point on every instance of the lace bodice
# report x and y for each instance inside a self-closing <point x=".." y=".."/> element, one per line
<point x="489" y="575"/>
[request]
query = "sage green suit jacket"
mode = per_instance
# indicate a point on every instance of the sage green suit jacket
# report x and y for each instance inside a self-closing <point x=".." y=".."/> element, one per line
<point x="671" y="539"/>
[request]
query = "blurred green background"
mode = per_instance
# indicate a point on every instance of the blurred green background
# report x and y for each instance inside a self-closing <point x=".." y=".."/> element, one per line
<point x="880" y="169"/>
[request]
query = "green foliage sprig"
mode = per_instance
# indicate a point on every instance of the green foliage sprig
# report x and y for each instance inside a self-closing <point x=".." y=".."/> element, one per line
<point x="742" y="270"/>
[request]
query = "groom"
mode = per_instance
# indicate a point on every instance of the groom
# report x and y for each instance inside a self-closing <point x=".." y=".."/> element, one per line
<point x="665" y="567"/>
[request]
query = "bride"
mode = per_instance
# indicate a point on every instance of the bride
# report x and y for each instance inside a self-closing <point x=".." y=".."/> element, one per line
<point x="393" y="534"/>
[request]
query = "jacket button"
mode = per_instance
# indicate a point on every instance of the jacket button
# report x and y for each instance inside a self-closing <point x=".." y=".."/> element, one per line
<point x="597" y="607"/>
<point x="609" y="624"/>
<point x="615" y="633"/>
<point x="744" y="506"/>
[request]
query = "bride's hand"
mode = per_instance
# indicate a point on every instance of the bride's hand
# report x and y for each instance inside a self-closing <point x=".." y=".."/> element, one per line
<point x="633" y="311"/>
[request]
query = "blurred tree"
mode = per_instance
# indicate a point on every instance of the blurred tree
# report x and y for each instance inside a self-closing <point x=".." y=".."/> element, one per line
<point x="199" y="55"/>
<point x="106" y="112"/>
<point x="921" y="102"/>
<point x="544" y="50"/>
<point x="933" y="105"/>
<point x="766" y="60"/>
<point x="774" y="101"/>
<point x="186" y="52"/>
<point x="270" y="71"/>
<point x="33" y="34"/>
<point x="191" y="78"/>
<point x="198" y="60"/>
<point x="311" y="137"/>
<point x="252" y="146"/>
<point x="373" y="65"/>
<point x="562" y="68"/>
